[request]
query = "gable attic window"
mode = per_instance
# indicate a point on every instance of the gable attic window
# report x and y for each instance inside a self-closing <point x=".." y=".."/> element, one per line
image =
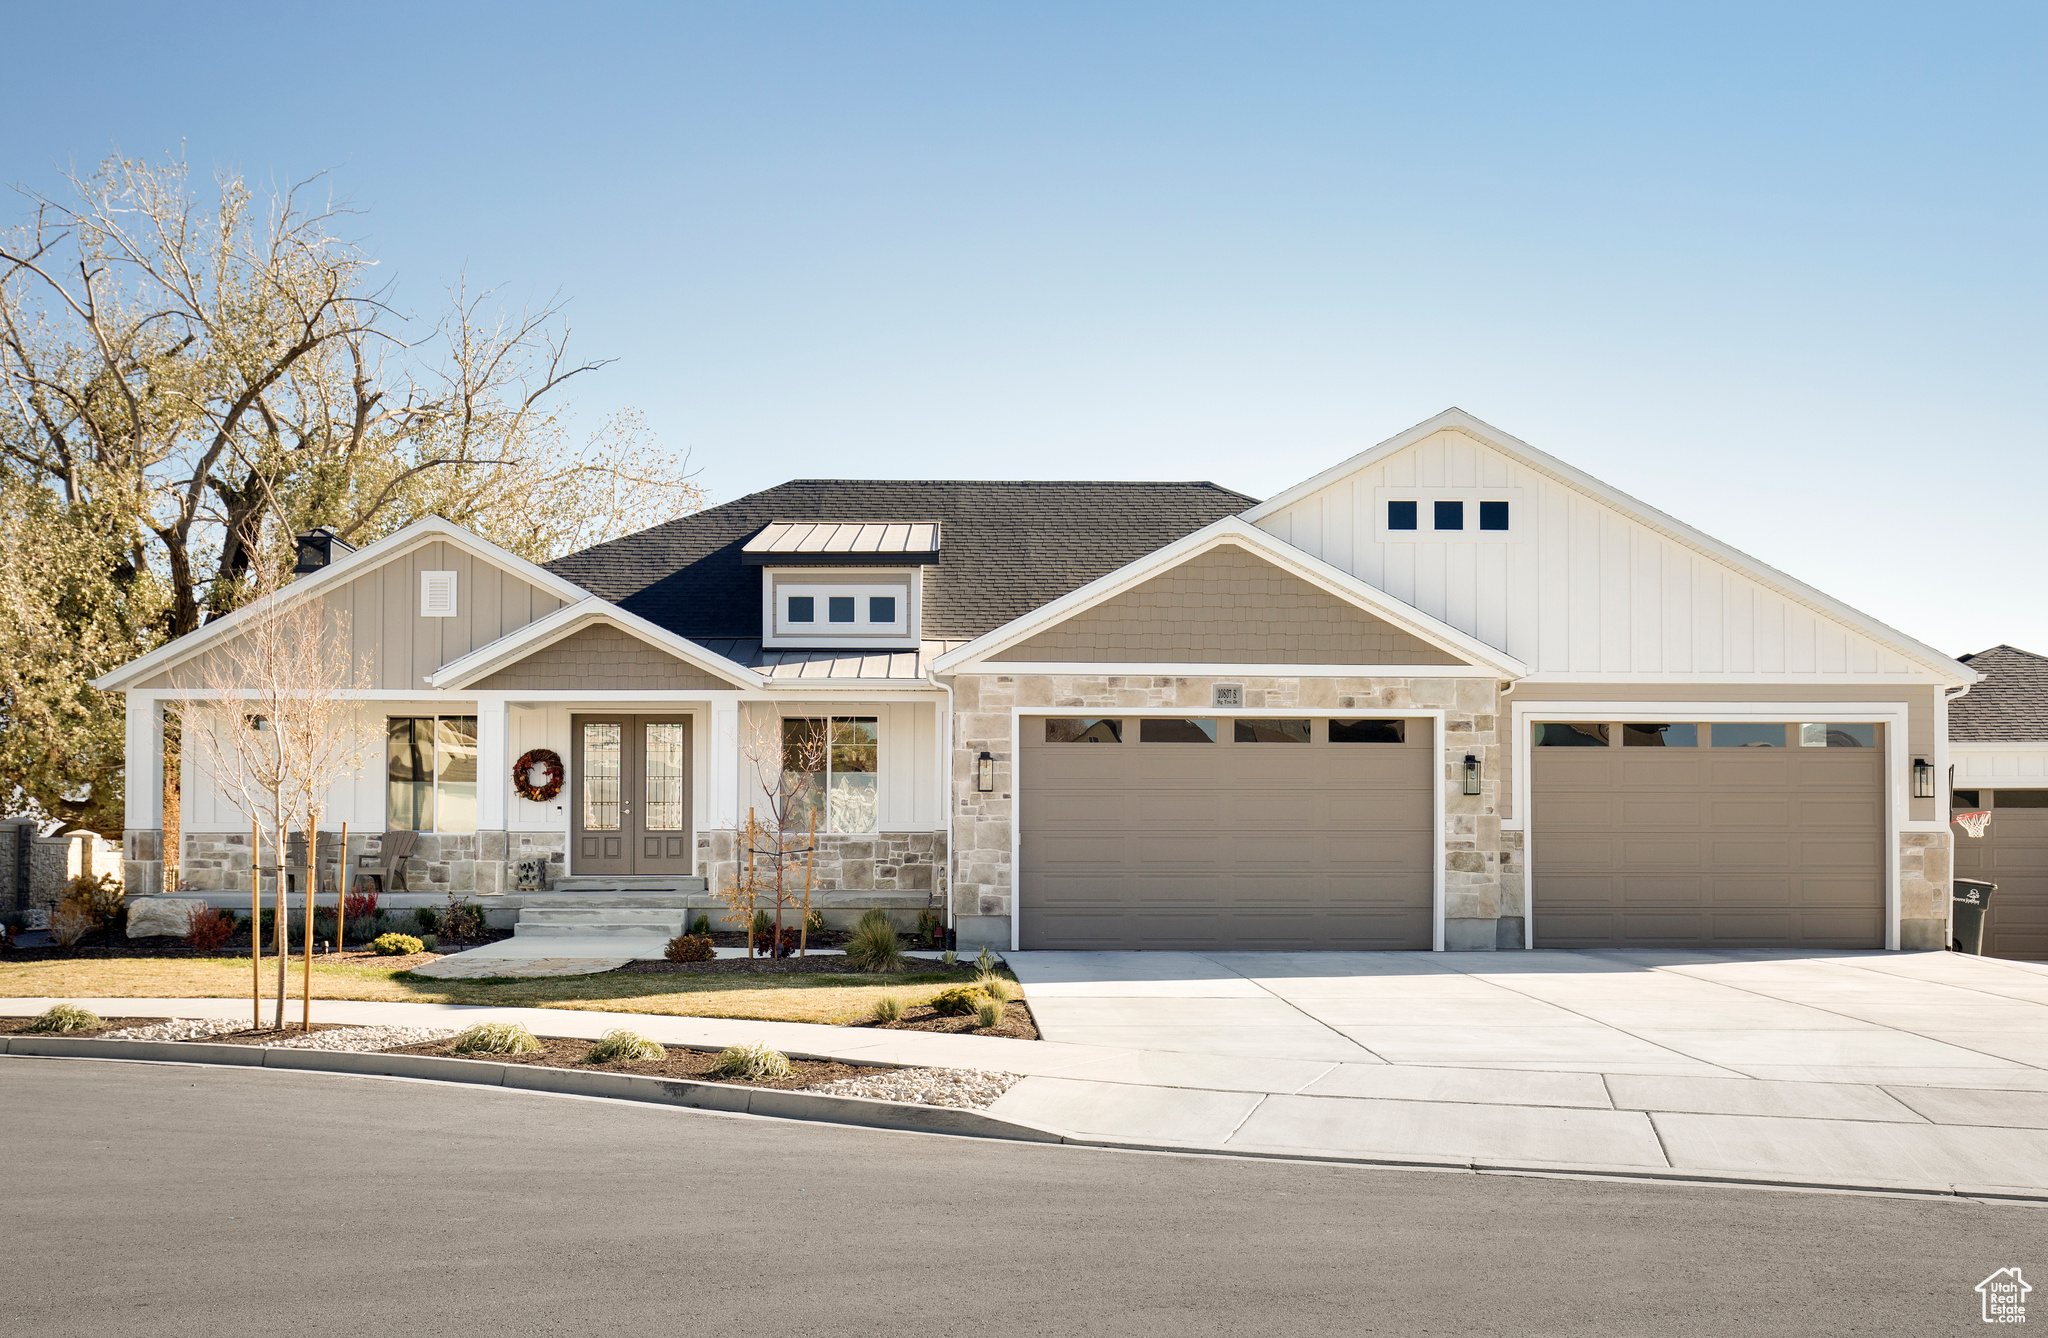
<point x="1450" y="515"/>
<point x="437" y="594"/>
<point x="1401" y="515"/>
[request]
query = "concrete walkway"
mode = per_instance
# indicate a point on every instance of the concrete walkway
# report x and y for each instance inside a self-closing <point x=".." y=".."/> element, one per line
<point x="1908" y="1071"/>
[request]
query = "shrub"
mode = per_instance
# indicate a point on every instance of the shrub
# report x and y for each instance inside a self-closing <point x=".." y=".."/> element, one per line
<point x="66" y="1017"/>
<point x="873" y="946"/>
<point x="931" y="927"/>
<point x="396" y="945"/>
<point x="429" y="942"/>
<point x="753" y="1061"/>
<point x="99" y="900"/>
<point x="360" y="903"/>
<point x="957" y="1002"/>
<point x="496" y="1038"/>
<point x="622" y="1045"/>
<point x="888" y="1008"/>
<point x="994" y="986"/>
<point x="988" y="1012"/>
<point x="461" y="921"/>
<point x="425" y="918"/>
<point x="949" y="958"/>
<point x="359" y="931"/>
<point x="701" y="927"/>
<point x="68" y="926"/>
<point x="769" y="944"/>
<point x="814" y="922"/>
<point x="206" y="929"/>
<point x="985" y="963"/>
<point x="690" y="948"/>
<point x="762" y="924"/>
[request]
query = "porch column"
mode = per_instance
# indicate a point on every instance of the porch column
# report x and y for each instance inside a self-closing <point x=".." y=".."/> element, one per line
<point x="142" y="835"/>
<point x="493" y="793"/>
<point x="725" y="766"/>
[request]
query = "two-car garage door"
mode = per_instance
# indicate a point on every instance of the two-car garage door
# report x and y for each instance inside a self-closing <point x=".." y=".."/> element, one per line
<point x="1206" y="834"/>
<point x="1753" y="835"/>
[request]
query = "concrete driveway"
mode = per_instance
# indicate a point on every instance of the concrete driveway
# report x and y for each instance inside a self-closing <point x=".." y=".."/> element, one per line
<point x="1927" y="1070"/>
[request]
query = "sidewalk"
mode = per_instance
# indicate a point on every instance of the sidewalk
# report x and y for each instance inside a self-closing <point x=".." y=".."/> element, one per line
<point x="1919" y="1133"/>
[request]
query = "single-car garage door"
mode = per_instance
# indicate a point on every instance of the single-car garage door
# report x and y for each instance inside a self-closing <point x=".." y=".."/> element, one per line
<point x="1708" y="836"/>
<point x="2013" y="853"/>
<point x="1142" y="832"/>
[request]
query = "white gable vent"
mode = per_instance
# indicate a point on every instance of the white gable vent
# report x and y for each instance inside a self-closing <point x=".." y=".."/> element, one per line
<point x="1229" y="696"/>
<point x="437" y="594"/>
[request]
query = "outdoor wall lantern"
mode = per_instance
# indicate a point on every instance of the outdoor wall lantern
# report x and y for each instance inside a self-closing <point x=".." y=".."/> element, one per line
<point x="1471" y="774"/>
<point x="1923" y="778"/>
<point x="985" y="773"/>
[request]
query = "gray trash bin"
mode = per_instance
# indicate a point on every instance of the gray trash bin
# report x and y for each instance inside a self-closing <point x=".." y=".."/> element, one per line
<point x="1970" y="902"/>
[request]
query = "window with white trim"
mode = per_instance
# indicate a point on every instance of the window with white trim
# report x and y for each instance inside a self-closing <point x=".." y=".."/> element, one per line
<point x="835" y="764"/>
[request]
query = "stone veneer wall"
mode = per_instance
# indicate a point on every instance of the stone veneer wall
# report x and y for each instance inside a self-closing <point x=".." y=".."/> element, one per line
<point x="1477" y="896"/>
<point x="441" y="863"/>
<point x="1926" y="865"/>
<point x="901" y="872"/>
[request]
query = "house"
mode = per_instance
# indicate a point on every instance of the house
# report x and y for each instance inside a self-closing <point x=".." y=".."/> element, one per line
<point x="1998" y="755"/>
<point x="1450" y="693"/>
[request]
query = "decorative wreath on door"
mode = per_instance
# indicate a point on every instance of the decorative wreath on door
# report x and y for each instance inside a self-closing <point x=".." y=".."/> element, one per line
<point x="544" y="760"/>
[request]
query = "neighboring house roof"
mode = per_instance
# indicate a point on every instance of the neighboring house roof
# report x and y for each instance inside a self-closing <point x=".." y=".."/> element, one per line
<point x="1009" y="547"/>
<point x="2009" y="706"/>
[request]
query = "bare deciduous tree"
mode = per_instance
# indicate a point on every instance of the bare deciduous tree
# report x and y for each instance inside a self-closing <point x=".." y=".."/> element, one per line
<point x="788" y="764"/>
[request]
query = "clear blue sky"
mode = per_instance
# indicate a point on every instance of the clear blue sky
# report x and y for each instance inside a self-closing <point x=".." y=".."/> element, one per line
<point x="1775" y="270"/>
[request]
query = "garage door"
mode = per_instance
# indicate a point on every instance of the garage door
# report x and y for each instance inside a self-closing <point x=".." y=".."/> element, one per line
<point x="1221" y="833"/>
<point x="1708" y="836"/>
<point x="2013" y="853"/>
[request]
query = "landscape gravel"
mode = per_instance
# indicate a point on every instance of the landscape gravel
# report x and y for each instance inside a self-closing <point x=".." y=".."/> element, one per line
<point x="362" y="1039"/>
<point x="967" y="1089"/>
<point x="177" y="1029"/>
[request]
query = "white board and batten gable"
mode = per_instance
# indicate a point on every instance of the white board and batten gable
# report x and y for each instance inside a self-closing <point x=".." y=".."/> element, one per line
<point x="1583" y="583"/>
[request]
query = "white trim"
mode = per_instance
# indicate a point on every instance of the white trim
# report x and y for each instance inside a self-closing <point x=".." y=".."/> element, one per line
<point x="899" y="577"/>
<point x="565" y="622"/>
<point x="343" y="569"/>
<point x="1435" y="714"/>
<point x="1188" y="670"/>
<point x="1487" y="661"/>
<point x="1897" y="783"/>
<point x="1948" y="670"/>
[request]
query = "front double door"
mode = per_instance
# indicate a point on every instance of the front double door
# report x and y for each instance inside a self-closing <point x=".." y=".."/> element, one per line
<point x="630" y="785"/>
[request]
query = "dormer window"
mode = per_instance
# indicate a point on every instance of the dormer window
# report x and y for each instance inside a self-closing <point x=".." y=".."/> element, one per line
<point x="857" y="609"/>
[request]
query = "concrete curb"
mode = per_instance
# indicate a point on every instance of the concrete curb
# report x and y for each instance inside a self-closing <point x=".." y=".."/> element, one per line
<point x="729" y="1097"/>
<point x="778" y="1104"/>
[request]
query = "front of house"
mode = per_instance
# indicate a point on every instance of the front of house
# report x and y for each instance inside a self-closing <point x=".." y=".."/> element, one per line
<point x="1450" y="694"/>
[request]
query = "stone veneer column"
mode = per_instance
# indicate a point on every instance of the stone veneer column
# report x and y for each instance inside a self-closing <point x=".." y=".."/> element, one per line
<point x="1926" y="865"/>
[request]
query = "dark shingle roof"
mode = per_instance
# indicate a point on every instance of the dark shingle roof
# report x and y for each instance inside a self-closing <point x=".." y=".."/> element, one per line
<point x="1009" y="547"/>
<point x="2010" y="705"/>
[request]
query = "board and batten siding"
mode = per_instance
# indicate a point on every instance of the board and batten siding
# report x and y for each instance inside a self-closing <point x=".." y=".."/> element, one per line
<point x="385" y="626"/>
<point x="1577" y="587"/>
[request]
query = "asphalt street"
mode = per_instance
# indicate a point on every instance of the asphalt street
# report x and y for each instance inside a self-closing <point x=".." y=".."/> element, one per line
<point x="163" y="1200"/>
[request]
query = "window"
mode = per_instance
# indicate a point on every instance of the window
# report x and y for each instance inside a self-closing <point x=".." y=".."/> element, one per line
<point x="1838" y="736"/>
<point x="1400" y="515"/>
<point x="437" y="594"/>
<point x="835" y="765"/>
<point x="430" y="773"/>
<point x="1748" y="736"/>
<point x="1270" y="731"/>
<point x="1493" y="515"/>
<point x="1368" y="731"/>
<point x="811" y="610"/>
<point x="1152" y="730"/>
<point x="882" y="609"/>
<point x="803" y="609"/>
<point x="1556" y="734"/>
<point x="1450" y="515"/>
<point x="1964" y="800"/>
<point x="1084" y="730"/>
<point x="602" y="770"/>
<point x="1660" y="736"/>
<point x="839" y="608"/>
<point x="663" y="763"/>
<point x="2019" y="799"/>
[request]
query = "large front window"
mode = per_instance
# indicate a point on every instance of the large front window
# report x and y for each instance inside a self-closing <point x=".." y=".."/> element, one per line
<point x="430" y="773"/>
<point x="833" y="770"/>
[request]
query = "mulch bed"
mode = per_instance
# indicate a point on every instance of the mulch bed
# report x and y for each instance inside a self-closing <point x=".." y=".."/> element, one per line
<point x="18" y="1026"/>
<point x="562" y="1053"/>
<point x="782" y="966"/>
<point x="237" y="946"/>
<point x="1016" y="1024"/>
<point x="824" y="938"/>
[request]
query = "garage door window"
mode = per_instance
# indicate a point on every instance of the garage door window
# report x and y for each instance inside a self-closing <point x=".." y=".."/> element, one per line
<point x="1556" y="734"/>
<point x="1368" y="731"/>
<point x="1747" y="736"/>
<point x="1085" y="730"/>
<point x="2019" y="799"/>
<point x="1162" y="730"/>
<point x="1965" y="800"/>
<point x="1838" y="736"/>
<point x="1660" y="736"/>
<point x="1271" y="731"/>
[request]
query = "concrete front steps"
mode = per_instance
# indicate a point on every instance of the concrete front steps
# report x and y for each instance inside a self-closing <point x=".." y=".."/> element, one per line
<point x="606" y="921"/>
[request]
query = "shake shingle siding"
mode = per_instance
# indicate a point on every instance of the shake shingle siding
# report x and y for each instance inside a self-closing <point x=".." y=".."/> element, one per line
<point x="1008" y="547"/>
<point x="2010" y="705"/>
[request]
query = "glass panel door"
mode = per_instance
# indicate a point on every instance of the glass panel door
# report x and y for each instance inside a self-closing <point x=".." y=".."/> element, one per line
<point x="631" y="788"/>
